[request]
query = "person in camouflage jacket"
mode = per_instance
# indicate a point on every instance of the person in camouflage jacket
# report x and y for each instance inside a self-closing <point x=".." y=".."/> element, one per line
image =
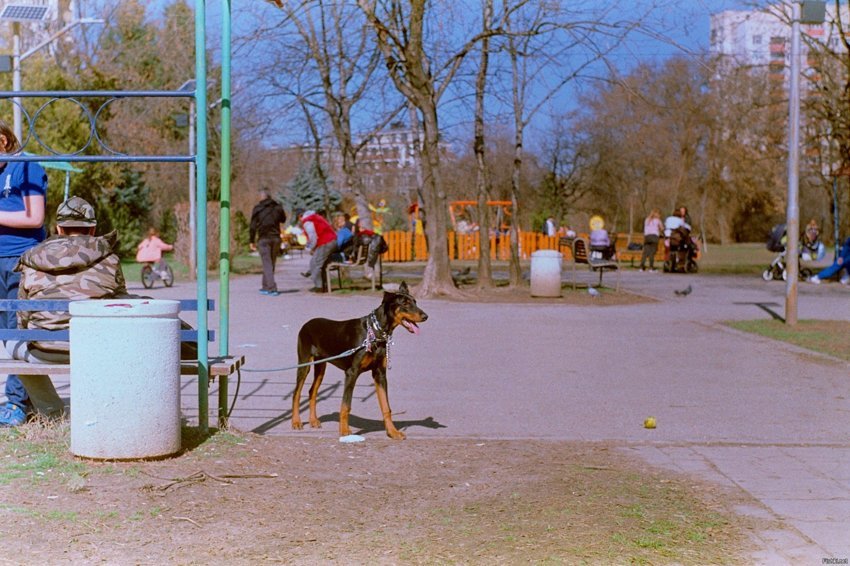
<point x="73" y="265"/>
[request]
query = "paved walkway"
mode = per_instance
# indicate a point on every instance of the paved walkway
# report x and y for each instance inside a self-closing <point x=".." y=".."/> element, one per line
<point x="734" y="409"/>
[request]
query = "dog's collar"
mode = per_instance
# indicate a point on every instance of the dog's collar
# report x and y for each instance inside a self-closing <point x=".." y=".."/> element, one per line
<point x="375" y="335"/>
<point x="374" y="332"/>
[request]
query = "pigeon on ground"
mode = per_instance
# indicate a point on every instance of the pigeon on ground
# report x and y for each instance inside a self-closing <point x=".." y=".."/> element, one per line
<point x="684" y="292"/>
<point x="593" y="292"/>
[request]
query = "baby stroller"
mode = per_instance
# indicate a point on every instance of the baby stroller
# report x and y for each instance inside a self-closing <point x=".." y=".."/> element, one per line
<point x="810" y="248"/>
<point x="682" y="252"/>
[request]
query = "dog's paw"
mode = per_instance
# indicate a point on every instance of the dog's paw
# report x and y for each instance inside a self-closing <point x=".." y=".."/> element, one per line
<point x="396" y="434"/>
<point x="315" y="423"/>
<point x="296" y="425"/>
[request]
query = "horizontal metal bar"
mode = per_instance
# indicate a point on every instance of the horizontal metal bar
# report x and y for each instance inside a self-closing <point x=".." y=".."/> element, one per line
<point x="96" y="93"/>
<point x="101" y="158"/>
<point x="34" y="334"/>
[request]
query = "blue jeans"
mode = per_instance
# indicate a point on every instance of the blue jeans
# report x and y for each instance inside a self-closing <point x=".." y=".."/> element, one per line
<point x="835" y="268"/>
<point x="9" y="281"/>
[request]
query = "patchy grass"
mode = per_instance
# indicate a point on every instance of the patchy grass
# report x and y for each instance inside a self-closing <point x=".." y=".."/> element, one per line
<point x="427" y="502"/>
<point x="38" y="453"/>
<point x="591" y="513"/>
<point x="830" y="337"/>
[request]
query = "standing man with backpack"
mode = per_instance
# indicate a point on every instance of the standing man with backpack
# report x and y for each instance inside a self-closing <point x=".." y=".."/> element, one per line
<point x="266" y="219"/>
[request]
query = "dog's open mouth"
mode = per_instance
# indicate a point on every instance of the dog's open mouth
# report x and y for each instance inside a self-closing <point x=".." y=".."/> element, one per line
<point x="410" y="326"/>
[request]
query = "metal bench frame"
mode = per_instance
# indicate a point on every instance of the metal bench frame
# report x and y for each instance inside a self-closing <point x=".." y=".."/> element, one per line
<point x="582" y="255"/>
<point x="221" y="367"/>
<point x="359" y="260"/>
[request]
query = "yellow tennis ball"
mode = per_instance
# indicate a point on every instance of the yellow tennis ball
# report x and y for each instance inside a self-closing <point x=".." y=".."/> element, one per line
<point x="649" y="422"/>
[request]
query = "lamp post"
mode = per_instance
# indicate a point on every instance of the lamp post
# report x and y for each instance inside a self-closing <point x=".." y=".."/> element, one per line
<point x="808" y="12"/>
<point x="24" y="15"/>
<point x="792" y="217"/>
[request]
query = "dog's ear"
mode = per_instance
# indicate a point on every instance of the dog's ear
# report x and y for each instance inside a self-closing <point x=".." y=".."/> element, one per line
<point x="403" y="288"/>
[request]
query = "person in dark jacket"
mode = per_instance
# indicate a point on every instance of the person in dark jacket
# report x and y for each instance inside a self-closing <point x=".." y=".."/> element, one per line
<point x="264" y="236"/>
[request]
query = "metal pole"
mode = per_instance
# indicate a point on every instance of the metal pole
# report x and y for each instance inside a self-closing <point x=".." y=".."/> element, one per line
<point x="793" y="211"/>
<point x="16" y="80"/>
<point x="224" y="243"/>
<point x="192" y="260"/>
<point x="201" y="230"/>
<point x="835" y="216"/>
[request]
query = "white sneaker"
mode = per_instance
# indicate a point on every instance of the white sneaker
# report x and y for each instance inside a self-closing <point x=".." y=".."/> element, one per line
<point x="814" y="279"/>
<point x="845" y="280"/>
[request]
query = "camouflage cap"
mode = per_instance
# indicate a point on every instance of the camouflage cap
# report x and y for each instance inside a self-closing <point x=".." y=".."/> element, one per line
<point x="75" y="211"/>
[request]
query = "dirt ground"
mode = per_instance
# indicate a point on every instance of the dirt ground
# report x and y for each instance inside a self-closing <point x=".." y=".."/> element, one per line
<point x="240" y="498"/>
<point x="247" y="499"/>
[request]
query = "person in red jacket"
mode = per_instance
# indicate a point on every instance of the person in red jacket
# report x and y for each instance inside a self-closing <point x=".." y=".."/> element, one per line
<point x="321" y="243"/>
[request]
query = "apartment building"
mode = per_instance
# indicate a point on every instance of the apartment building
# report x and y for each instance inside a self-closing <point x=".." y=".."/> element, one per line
<point x="762" y="38"/>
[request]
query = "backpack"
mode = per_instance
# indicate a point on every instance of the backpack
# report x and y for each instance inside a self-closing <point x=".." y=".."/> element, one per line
<point x="774" y="240"/>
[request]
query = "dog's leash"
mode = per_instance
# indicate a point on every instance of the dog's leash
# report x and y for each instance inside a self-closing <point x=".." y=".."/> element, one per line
<point x="372" y="338"/>
<point x="305" y="364"/>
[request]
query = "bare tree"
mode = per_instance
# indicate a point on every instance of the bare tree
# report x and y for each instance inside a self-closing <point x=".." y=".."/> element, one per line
<point x="344" y="58"/>
<point x="538" y="40"/>
<point x="482" y="178"/>
<point x="401" y="34"/>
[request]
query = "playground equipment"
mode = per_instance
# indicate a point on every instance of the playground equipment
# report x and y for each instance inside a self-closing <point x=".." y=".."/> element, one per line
<point x="500" y="212"/>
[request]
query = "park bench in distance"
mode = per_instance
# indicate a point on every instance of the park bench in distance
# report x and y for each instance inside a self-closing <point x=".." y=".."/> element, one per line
<point x="581" y="255"/>
<point x="359" y="260"/>
<point x="219" y="367"/>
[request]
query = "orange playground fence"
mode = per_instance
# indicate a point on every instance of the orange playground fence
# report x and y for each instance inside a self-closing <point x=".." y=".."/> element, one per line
<point x="404" y="247"/>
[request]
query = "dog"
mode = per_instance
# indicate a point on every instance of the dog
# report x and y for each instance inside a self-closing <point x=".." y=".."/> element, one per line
<point x="368" y="336"/>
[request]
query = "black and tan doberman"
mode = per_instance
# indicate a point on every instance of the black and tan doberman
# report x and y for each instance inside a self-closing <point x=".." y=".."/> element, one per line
<point x="368" y="338"/>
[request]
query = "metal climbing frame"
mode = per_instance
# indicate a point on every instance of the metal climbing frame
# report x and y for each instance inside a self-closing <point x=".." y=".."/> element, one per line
<point x="199" y="158"/>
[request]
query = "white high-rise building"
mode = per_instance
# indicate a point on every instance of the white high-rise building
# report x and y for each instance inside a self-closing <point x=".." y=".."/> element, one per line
<point x="762" y="39"/>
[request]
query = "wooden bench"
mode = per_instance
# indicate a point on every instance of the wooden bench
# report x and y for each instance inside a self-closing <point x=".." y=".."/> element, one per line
<point x="359" y="260"/>
<point x="582" y="255"/>
<point x="219" y="367"/>
<point x="633" y="256"/>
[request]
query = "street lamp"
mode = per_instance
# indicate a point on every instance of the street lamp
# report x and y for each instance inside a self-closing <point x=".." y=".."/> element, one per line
<point x="28" y="13"/>
<point x="808" y="12"/>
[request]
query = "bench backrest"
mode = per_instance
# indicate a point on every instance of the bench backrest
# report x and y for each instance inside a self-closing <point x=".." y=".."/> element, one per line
<point x="56" y="305"/>
<point x="580" y="251"/>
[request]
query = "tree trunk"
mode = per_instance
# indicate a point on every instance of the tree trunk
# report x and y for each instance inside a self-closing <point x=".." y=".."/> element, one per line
<point x="482" y="179"/>
<point x="437" y="278"/>
<point x="514" y="269"/>
<point x="354" y="186"/>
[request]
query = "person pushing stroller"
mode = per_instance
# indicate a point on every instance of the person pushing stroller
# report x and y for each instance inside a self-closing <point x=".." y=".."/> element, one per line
<point x="811" y="249"/>
<point x="682" y="250"/>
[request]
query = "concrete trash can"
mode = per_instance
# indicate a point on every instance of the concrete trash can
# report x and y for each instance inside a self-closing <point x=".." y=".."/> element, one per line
<point x="125" y="378"/>
<point x="546" y="273"/>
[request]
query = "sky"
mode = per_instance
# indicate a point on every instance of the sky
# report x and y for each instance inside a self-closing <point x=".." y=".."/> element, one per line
<point x="683" y="23"/>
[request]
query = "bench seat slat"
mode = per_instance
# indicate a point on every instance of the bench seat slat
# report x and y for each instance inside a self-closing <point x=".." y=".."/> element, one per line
<point x="217" y="367"/>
